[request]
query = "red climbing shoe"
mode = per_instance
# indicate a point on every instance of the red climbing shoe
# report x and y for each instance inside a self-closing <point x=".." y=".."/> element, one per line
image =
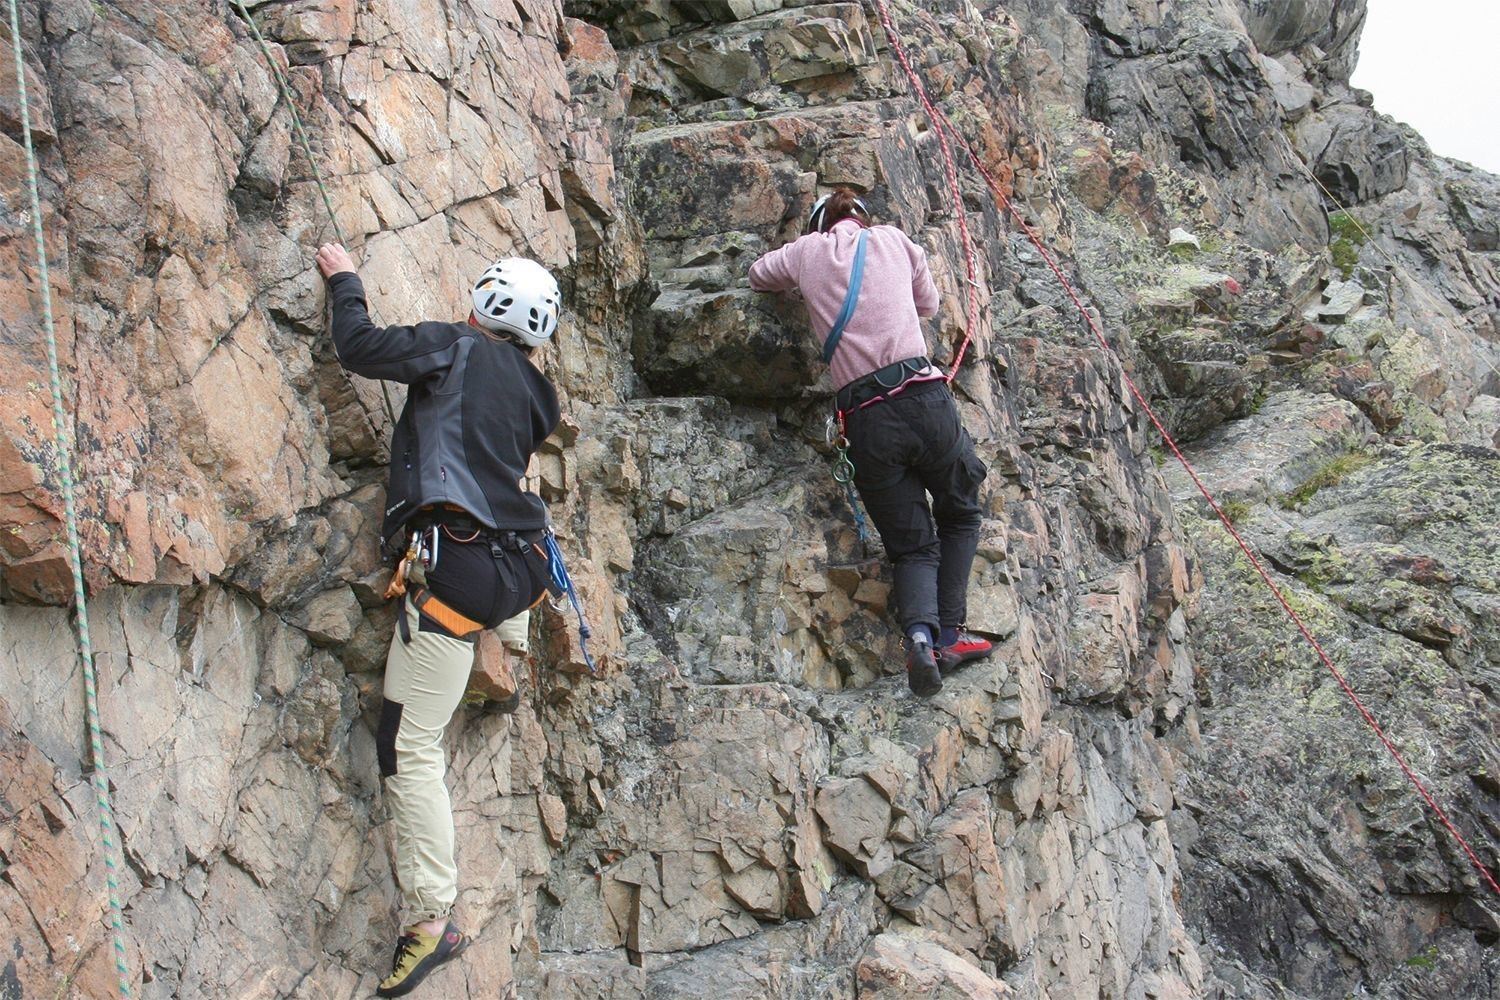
<point x="967" y="648"/>
<point x="922" y="670"/>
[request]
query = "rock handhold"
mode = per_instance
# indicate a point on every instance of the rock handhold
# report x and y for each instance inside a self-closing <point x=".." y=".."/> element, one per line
<point x="1180" y="237"/>
<point x="1342" y="299"/>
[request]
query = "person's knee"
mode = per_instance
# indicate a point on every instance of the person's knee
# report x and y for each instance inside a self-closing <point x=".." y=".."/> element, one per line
<point x="958" y="509"/>
<point x="959" y="517"/>
<point x="403" y="749"/>
<point x="928" y="550"/>
<point x="385" y="736"/>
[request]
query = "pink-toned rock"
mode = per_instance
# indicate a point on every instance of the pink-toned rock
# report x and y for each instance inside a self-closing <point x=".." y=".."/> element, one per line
<point x="899" y="966"/>
<point x="554" y="817"/>
<point x="493" y="676"/>
<point x="61" y="948"/>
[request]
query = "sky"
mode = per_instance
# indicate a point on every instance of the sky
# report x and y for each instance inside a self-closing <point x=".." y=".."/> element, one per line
<point x="1436" y="66"/>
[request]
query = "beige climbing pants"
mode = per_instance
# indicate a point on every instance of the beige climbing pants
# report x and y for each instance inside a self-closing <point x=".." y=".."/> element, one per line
<point x="515" y="632"/>
<point x="424" y="680"/>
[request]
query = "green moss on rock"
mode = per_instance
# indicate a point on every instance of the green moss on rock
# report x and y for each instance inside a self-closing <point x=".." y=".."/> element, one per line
<point x="1331" y="473"/>
<point x="1346" y="240"/>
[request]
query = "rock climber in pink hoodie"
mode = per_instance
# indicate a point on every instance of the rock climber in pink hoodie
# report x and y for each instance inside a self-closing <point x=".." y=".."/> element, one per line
<point x="866" y="288"/>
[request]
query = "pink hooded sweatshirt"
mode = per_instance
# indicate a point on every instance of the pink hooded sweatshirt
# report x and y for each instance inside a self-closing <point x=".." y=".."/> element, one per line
<point x="896" y="290"/>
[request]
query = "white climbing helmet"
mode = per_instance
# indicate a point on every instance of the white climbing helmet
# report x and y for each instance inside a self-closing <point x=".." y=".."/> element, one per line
<point x="519" y="297"/>
<point x="815" y="218"/>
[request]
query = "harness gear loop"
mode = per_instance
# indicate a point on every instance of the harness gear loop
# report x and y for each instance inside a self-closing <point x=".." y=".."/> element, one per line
<point x="64" y="444"/>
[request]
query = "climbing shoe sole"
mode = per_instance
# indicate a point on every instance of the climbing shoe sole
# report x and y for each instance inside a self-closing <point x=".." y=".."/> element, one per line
<point x="450" y="944"/>
<point x="922" y="671"/>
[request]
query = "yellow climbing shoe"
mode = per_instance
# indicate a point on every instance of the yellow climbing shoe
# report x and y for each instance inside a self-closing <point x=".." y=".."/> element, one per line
<point x="417" y="954"/>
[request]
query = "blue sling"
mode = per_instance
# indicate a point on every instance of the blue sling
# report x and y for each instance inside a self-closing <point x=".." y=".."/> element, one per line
<point x="856" y="276"/>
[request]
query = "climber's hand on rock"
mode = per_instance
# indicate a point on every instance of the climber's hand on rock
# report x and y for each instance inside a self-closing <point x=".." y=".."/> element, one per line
<point x="334" y="259"/>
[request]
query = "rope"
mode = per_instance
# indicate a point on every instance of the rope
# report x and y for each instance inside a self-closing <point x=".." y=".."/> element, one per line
<point x="1140" y="398"/>
<point x="70" y="511"/>
<point x="860" y="527"/>
<point x="302" y="140"/>
<point x="843" y="474"/>
<point x="557" y="571"/>
<point x="950" y="171"/>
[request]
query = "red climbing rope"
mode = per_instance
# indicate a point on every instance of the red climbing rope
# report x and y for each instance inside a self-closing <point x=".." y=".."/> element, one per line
<point x="950" y="168"/>
<point x="941" y="121"/>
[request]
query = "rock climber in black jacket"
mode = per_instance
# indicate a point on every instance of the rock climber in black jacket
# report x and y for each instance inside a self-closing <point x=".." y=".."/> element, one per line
<point x="476" y="410"/>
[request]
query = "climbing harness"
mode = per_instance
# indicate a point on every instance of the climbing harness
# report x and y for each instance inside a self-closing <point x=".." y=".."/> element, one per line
<point x="423" y="547"/>
<point x="108" y="842"/>
<point x="291" y="105"/>
<point x="941" y="121"/>
<point x="884" y="383"/>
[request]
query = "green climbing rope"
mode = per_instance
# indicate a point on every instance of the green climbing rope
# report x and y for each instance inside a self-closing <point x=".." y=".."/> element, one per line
<point x="75" y="559"/>
<point x="291" y="105"/>
<point x="286" y="95"/>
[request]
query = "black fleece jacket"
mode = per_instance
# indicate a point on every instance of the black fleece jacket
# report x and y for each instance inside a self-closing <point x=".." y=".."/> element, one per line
<point x="475" y="412"/>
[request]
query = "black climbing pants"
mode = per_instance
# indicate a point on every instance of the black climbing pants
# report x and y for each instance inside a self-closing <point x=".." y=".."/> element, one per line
<point x="903" y="449"/>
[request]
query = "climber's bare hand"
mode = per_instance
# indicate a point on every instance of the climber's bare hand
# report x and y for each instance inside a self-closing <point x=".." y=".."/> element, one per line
<point x="334" y="259"/>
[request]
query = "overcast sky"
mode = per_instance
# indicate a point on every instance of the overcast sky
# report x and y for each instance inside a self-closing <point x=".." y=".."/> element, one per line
<point x="1436" y="66"/>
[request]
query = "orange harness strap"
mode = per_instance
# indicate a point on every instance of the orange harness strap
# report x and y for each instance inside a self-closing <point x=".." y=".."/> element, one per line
<point x="427" y="603"/>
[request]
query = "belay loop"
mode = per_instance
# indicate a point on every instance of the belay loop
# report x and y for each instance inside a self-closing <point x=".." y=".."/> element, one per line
<point x="561" y="583"/>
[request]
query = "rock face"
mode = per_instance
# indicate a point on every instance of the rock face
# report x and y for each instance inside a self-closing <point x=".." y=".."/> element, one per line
<point x="1392" y="562"/>
<point x="1150" y="790"/>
